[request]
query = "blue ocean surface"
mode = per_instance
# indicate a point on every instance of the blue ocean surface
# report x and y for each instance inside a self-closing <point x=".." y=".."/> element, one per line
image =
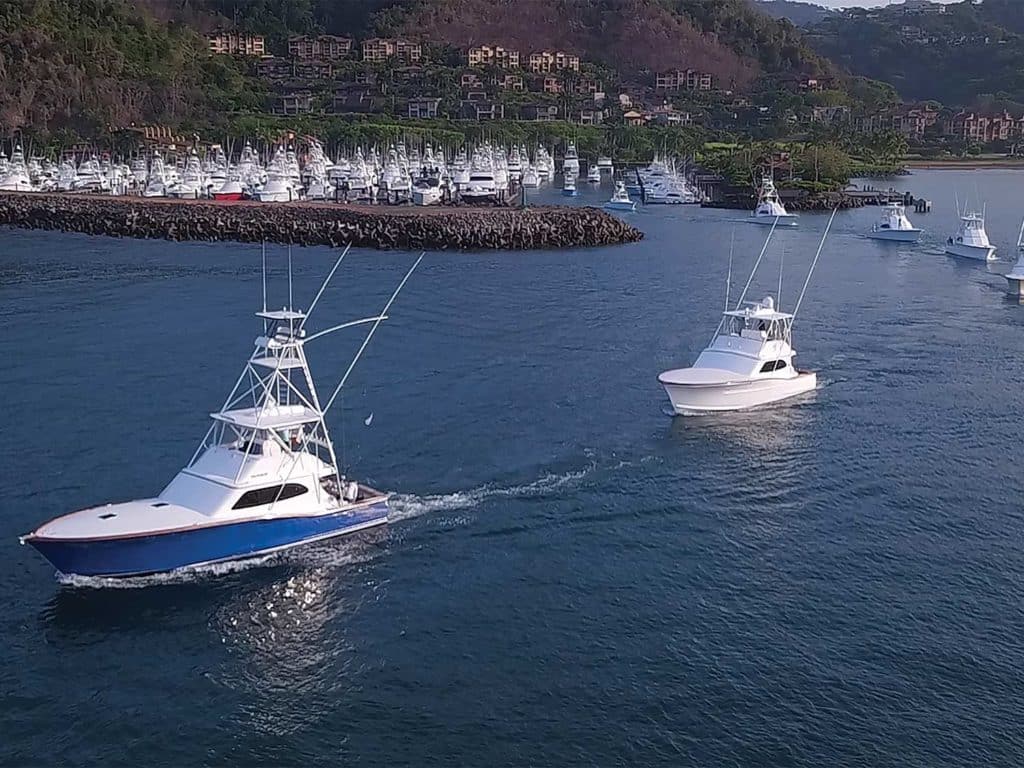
<point x="571" y="577"/>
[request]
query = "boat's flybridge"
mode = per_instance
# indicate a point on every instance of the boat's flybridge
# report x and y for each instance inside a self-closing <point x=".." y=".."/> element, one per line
<point x="269" y="441"/>
<point x="748" y="336"/>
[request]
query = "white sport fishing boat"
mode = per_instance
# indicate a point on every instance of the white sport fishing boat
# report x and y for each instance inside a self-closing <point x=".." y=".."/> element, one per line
<point x="280" y="186"/>
<point x="893" y="225"/>
<point x="426" y="190"/>
<point x="16" y="178"/>
<point x="620" y="200"/>
<point x="569" y="185"/>
<point x="971" y="240"/>
<point x="749" y="362"/>
<point x="571" y="161"/>
<point x="265" y="478"/>
<point x="594" y="175"/>
<point x="770" y="208"/>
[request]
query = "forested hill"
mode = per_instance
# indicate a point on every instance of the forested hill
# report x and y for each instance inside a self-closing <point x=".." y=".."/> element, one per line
<point x="801" y="14"/>
<point x="85" y="65"/>
<point x="956" y="54"/>
<point x="728" y="38"/>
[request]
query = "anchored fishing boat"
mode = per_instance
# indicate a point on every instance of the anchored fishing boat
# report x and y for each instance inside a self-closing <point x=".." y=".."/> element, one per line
<point x="749" y="361"/>
<point x="264" y="478"/>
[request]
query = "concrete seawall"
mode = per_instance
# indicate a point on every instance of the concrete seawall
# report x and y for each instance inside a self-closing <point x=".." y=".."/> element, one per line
<point x="329" y="224"/>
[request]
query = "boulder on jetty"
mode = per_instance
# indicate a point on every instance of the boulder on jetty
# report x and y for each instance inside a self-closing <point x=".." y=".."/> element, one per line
<point x="308" y="223"/>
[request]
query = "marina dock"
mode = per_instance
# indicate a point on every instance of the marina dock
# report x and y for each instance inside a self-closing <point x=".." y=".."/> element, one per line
<point x="308" y="223"/>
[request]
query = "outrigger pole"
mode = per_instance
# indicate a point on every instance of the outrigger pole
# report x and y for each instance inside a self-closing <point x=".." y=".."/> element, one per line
<point x="323" y="287"/>
<point x="366" y="341"/>
<point x="756" y="263"/>
<point x="813" y="264"/>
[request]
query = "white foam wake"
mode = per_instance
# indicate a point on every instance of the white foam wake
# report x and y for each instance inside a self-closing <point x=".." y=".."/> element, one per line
<point x="181" y="576"/>
<point x="408" y="506"/>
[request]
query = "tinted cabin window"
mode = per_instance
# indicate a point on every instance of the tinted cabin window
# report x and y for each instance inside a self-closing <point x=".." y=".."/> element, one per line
<point x="773" y="365"/>
<point x="263" y="496"/>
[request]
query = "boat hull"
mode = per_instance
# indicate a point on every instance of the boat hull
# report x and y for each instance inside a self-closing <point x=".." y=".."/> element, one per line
<point x="976" y="252"/>
<point x="1015" y="281"/>
<point x="229" y="196"/>
<point x="784" y="221"/>
<point x="700" y="399"/>
<point x="161" y="552"/>
<point x="630" y="206"/>
<point x="897" y="235"/>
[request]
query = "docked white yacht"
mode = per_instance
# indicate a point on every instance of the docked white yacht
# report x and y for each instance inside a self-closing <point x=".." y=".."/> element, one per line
<point x="594" y="175"/>
<point x="156" y="182"/>
<point x="749" y="362"/>
<point x="971" y="240"/>
<point x="192" y="183"/>
<point x="279" y="186"/>
<point x="893" y="225"/>
<point x="16" y="179"/>
<point x="531" y="179"/>
<point x="571" y="161"/>
<point x="426" y="190"/>
<point x="770" y="207"/>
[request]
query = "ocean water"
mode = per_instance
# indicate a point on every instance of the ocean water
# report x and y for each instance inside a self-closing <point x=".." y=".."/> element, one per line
<point x="572" y="577"/>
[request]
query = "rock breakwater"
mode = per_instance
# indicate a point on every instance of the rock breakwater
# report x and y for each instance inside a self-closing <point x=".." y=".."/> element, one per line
<point x="304" y="223"/>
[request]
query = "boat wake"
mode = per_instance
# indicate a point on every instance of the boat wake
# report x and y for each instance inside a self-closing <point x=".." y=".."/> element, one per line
<point x="409" y="506"/>
<point x="181" y="576"/>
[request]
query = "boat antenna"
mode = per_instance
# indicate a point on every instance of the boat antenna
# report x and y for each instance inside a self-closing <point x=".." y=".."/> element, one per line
<point x="813" y="264"/>
<point x="759" y="257"/>
<point x="956" y="198"/>
<point x="373" y="330"/>
<point x="1020" y="237"/>
<point x="728" y="277"/>
<point x="264" y="275"/>
<point x="291" y="304"/>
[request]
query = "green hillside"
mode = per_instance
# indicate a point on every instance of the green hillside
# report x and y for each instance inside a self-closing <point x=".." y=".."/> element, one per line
<point x="82" y="65"/>
<point x="954" y="56"/>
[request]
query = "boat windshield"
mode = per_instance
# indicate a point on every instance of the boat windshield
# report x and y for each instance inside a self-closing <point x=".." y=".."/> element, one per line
<point x="766" y="329"/>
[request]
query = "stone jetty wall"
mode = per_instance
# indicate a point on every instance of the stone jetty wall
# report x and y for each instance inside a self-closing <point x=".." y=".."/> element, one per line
<point x="407" y="228"/>
<point x="822" y="201"/>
